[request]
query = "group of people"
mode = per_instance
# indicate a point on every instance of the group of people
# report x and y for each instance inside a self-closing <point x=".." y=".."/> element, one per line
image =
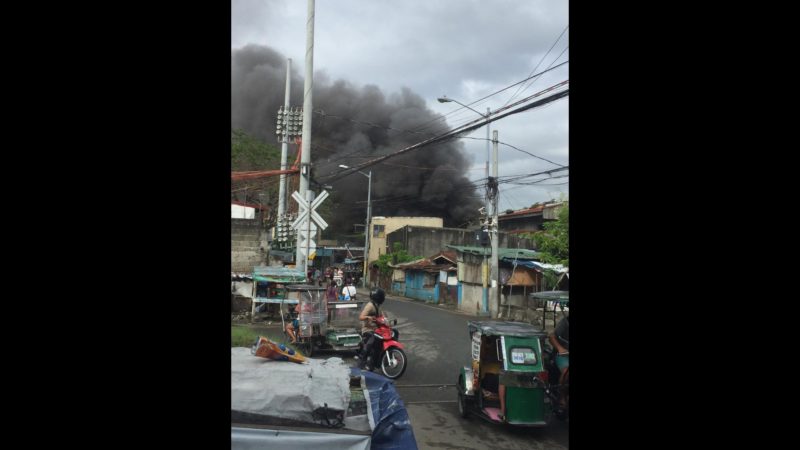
<point x="347" y="292"/>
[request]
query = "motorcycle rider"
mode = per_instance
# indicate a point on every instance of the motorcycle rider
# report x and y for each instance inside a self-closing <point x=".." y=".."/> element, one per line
<point x="368" y="314"/>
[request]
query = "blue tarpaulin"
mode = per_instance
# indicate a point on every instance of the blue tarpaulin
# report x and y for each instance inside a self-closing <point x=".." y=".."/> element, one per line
<point x="392" y="426"/>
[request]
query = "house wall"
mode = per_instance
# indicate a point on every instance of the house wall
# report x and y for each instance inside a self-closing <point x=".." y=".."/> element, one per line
<point x="471" y="269"/>
<point x="471" y="297"/>
<point x="399" y="288"/>
<point x="448" y="287"/>
<point x="530" y="223"/>
<point x="378" y="245"/>
<point x="422" y="285"/>
<point x="470" y="277"/>
<point x="248" y="245"/>
<point x="520" y="276"/>
<point x="550" y="212"/>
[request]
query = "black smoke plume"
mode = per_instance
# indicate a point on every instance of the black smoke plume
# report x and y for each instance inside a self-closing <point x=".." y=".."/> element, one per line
<point x="430" y="181"/>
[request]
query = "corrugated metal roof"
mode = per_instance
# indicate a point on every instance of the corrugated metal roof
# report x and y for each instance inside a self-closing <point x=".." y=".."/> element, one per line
<point x="423" y="264"/>
<point x="411" y="263"/>
<point x="502" y="253"/>
<point x="537" y="265"/>
<point x="278" y="274"/>
<point x="448" y="255"/>
<point x="541" y="210"/>
<point x="473" y="250"/>
<point x="522" y="212"/>
<point x="560" y="268"/>
<point x="551" y="295"/>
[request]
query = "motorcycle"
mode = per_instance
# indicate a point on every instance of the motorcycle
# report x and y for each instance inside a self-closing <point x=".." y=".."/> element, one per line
<point x="391" y="357"/>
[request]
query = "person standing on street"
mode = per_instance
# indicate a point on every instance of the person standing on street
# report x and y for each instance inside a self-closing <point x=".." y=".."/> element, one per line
<point x="374" y="273"/>
<point x="349" y="291"/>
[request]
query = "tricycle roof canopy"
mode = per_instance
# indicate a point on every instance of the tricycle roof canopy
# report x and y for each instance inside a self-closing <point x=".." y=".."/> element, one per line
<point x="504" y="328"/>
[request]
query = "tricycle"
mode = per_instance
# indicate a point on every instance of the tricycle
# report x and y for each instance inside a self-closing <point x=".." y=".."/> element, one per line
<point x="322" y="324"/>
<point x="509" y="380"/>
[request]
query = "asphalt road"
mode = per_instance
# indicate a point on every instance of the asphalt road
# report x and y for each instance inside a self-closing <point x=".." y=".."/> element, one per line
<point x="437" y="345"/>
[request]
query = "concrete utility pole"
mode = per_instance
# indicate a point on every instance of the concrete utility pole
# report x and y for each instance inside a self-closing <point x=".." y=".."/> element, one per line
<point x="305" y="158"/>
<point x="365" y="275"/>
<point x="366" y="231"/>
<point x="494" y="293"/>
<point x="284" y="146"/>
<point x="486" y="296"/>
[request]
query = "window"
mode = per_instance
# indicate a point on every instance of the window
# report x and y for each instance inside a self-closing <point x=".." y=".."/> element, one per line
<point x="523" y="355"/>
<point x="377" y="231"/>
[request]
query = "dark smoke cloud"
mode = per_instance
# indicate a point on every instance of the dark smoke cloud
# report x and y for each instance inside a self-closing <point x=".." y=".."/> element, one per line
<point x="427" y="182"/>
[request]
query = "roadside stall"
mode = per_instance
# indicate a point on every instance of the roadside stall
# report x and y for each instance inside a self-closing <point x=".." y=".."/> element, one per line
<point x="269" y="289"/>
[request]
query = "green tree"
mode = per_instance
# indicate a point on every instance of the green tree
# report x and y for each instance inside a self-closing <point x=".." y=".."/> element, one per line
<point x="553" y="241"/>
<point x="397" y="256"/>
<point x="250" y="153"/>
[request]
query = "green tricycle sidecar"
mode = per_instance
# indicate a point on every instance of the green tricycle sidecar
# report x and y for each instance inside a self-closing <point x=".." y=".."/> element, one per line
<point x="508" y="372"/>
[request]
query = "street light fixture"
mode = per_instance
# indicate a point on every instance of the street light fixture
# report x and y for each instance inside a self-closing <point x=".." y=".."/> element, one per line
<point x="365" y="275"/>
<point x="446" y="99"/>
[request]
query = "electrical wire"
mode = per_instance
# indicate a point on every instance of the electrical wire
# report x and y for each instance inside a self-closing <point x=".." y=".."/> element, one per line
<point x="540" y="63"/>
<point x="515" y="148"/>
<point x="446" y="136"/>
<point x="433" y="122"/>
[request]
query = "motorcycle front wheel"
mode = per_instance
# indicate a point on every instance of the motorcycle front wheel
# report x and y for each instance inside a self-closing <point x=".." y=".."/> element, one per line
<point x="393" y="363"/>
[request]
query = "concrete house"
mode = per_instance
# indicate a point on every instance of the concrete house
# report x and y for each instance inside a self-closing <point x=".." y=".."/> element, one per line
<point x="381" y="226"/>
<point x="430" y="279"/>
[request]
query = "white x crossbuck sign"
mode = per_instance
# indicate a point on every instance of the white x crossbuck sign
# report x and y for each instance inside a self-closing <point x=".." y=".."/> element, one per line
<point x="305" y="209"/>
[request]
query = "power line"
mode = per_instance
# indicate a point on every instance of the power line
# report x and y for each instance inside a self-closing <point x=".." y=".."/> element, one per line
<point x="429" y="124"/>
<point x="554" y="184"/>
<point x="447" y="136"/>
<point x="539" y="181"/>
<point x="540" y="63"/>
<point x="515" y="148"/>
<point x="534" y="80"/>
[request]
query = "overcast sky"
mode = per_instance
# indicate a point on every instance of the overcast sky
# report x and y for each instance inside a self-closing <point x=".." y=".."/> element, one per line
<point x="465" y="49"/>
